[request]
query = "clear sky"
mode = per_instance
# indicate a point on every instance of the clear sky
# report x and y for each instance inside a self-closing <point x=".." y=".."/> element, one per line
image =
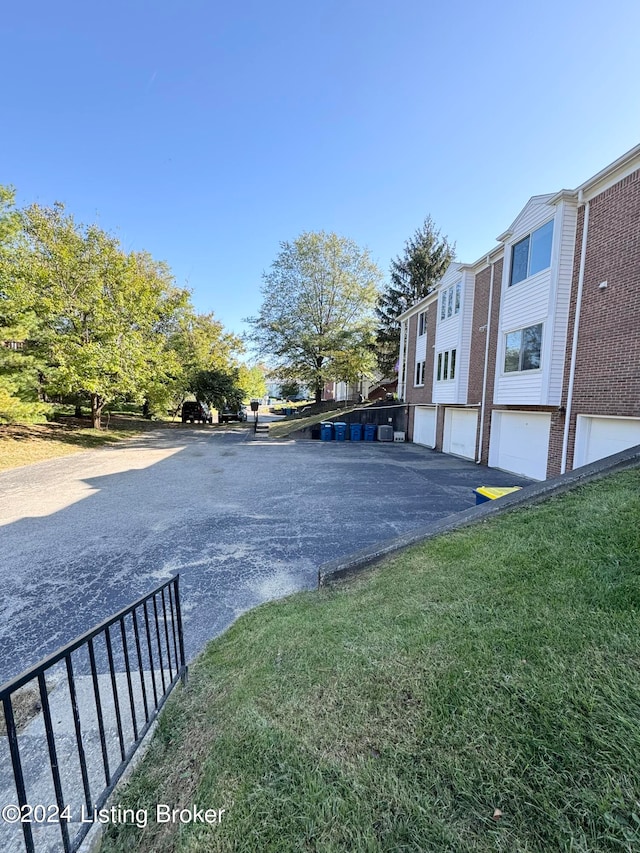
<point x="206" y="132"/>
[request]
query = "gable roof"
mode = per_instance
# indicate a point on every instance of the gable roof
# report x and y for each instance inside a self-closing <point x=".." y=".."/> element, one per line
<point x="534" y="201"/>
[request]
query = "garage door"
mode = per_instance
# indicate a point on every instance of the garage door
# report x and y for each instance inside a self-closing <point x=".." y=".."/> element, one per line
<point x="424" y="426"/>
<point x="460" y="427"/>
<point x="520" y="443"/>
<point x="599" y="437"/>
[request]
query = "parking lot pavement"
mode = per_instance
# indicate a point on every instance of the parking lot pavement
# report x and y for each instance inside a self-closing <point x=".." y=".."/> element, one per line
<point x="242" y="520"/>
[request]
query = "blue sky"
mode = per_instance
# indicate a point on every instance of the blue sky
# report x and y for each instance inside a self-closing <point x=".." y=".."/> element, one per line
<point x="208" y="132"/>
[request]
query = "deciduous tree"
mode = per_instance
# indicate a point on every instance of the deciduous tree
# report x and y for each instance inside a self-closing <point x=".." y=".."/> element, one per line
<point x="102" y="314"/>
<point x="318" y="305"/>
<point x="19" y="369"/>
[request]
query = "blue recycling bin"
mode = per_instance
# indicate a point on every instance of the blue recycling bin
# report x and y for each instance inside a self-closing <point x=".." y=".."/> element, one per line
<point x="370" y="431"/>
<point x="355" y="432"/>
<point x="340" y="430"/>
<point x="326" y="431"/>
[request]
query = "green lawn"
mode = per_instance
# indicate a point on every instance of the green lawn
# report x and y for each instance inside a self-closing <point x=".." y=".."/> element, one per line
<point x="24" y="444"/>
<point x="496" y="668"/>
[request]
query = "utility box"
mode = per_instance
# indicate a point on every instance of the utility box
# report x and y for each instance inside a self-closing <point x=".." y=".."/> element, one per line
<point x="385" y="432"/>
<point x="398" y="436"/>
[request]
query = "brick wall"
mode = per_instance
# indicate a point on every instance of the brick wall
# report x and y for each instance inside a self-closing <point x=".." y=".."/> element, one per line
<point x="478" y="334"/>
<point x="482" y="284"/>
<point x="424" y="394"/>
<point x="607" y="371"/>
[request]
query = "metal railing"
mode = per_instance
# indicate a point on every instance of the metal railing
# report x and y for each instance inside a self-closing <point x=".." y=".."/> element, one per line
<point x="73" y="721"/>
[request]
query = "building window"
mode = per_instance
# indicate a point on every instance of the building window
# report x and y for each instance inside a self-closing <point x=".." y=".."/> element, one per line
<point x="522" y="349"/>
<point x="420" y="372"/>
<point x="422" y="323"/>
<point x="450" y="301"/>
<point x="533" y="254"/>
<point x="446" y="365"/>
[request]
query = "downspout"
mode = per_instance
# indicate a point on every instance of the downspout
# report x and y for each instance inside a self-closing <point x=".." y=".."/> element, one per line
<point x="486" y="362"/>
<point x="574" y="343"/>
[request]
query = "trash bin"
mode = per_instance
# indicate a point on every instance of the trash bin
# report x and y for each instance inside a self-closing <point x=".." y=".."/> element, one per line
<point x="340" y="430"/>
<point x="490" y="493"/>
<point x="326" y="431"/>
<point x="370" y="431"/>
<point x="315" y="432"/>
<point x="385" y="432"/>
<point x="355" y="432"/>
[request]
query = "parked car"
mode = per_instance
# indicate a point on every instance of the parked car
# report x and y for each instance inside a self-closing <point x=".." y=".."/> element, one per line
<point x="194" y="410"/>
<point x="231" y="413"/>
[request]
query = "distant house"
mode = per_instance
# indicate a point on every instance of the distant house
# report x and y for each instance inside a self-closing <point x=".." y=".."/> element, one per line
<point x="343" y="391"/>
<point x="529" y="359"/>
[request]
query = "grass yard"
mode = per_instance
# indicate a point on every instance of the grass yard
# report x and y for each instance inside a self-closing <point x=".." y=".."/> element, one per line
<point x="23" y="444"/>
<point x="480" y="692"/>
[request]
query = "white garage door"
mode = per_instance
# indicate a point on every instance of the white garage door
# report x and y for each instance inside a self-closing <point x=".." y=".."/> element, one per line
<point x="424" y="426"/>
<point x="520" y="443"/>
<point x="460" y="427"/>
<point x="599" y="437"/>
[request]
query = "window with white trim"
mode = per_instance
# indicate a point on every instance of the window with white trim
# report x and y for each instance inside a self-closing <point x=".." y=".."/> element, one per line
<point x="420" y="373"/>
<point x="523" y="349"/>
<point x="422" y="323"/>
<point x="450" y="300"/>
<point x="446" y="368"/>
<point x="531" y="254"/>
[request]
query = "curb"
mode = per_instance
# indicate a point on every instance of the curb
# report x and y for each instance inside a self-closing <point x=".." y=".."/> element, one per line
<point x="344" y="567"/>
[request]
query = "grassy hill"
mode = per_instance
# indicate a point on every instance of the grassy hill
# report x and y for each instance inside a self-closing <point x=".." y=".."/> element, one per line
<point x="480" y="692"/>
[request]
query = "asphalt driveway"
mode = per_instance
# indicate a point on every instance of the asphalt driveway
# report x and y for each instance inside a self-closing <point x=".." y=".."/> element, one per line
<point x="242" y="520"/>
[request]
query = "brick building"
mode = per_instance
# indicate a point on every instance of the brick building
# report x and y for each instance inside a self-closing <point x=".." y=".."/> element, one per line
<point x="529" y="359"/>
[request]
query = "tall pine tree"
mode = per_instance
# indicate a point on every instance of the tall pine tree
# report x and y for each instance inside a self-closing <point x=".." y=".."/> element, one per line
<point x="413" y="275"/>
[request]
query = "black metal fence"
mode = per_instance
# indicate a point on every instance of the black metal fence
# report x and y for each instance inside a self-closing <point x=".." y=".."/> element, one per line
<point x="70" y="724"/>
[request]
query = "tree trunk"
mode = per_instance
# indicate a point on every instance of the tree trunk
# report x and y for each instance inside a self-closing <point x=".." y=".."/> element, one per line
<point x="145" y="409"/>
<point x="319" y="378"/>
<point x="97" y="404"/>
<point x="78" y="412"/>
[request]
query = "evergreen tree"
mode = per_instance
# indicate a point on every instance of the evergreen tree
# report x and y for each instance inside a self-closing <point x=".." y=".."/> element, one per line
<point x="413" y="275"/>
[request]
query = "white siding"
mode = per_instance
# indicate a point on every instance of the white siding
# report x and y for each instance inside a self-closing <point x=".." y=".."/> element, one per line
<point x="568" y="216"/>
<point x="468" y="282"/>
<point x="533" y="301"/>
<point x="421" y="348"/>
<point x="454" y="333"/>
<point x="524" y="304"/>
<point x="447" y="339"/>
